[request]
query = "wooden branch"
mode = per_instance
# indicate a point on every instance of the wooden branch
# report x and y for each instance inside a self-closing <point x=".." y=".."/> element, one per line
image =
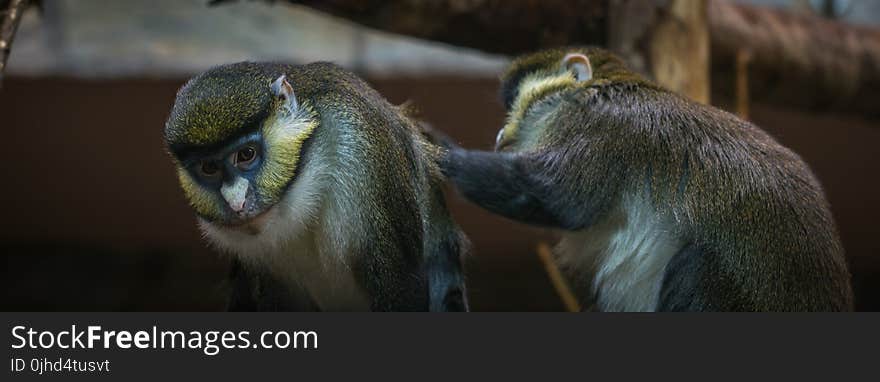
<point x="562" y="289"/>
<point x="498" y="26"/>
<point x="797" y="60"/>
<point x="10" y="16"/>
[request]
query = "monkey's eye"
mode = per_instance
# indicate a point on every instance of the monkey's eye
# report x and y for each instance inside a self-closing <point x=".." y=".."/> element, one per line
<point x="209" y="169"/>
<point x="245" y="157"/>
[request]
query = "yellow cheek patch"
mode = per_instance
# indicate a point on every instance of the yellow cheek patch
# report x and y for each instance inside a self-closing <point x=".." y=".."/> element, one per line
<point x="532" y="88"/>
<point x="203" y="201"/>
<point x="284" y="134"/>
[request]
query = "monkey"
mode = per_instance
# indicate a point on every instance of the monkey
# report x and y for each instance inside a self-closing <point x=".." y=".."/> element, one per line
<point x="661" y="203"/>
<point x="327" y="197"/>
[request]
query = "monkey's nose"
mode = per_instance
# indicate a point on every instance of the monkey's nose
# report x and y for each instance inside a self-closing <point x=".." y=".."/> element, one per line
<point x="235" y="193"/>
<point x="238" y="207"/>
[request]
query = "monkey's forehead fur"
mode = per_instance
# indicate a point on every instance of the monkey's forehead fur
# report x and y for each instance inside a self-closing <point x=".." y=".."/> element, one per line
<point x="605" y="65"/>
<point x="230" y="100"/>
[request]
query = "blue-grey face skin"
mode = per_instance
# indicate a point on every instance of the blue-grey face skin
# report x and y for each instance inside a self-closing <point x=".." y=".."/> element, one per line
<point x="232" y="166"/>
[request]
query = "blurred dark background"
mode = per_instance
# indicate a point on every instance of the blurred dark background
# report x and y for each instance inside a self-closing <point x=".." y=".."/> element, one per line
<point x="95" y="219"/>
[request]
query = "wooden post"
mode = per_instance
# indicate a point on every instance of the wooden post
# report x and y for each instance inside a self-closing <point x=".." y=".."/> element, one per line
<point x="679" y="50"/>
<point x="668" y="40"/>
<point x="743" y="56"/>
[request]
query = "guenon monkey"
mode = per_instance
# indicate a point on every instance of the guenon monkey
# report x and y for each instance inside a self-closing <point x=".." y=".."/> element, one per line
<point x="662" y="203"/>
<point x="329" y="197"/>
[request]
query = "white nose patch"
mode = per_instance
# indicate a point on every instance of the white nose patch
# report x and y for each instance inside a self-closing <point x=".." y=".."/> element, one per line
<point x="235" y="193"/>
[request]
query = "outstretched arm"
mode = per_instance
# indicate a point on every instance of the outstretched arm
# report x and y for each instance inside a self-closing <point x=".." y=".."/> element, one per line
<point x="509" y="184"/>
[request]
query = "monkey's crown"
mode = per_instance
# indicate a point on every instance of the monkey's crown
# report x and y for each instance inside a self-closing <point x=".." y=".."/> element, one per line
<point x="220" y="104"/>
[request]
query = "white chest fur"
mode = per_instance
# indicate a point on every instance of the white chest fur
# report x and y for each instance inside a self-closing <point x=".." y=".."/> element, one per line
<point x="296" y="257"/>
<point x="326" y="277"/>
<point x="294" y="246"/>
<point x="626" y="256"/>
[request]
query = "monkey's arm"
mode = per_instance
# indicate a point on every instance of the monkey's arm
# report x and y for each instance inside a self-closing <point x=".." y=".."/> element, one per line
<point x="253" y="291"/>
<point x="387" y="252"/>
<point x="443" y="265"/>
<point x="509" y="184"/>
<point x="391" y="278"/>
<point x="241" y="296"/>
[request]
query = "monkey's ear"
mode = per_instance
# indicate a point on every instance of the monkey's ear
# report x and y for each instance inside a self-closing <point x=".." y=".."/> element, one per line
<point x="579" y="64"/>
<point x="282" y="89"/>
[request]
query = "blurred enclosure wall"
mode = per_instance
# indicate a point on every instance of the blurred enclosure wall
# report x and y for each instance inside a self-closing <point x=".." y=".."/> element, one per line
<point x="95" y="219"/>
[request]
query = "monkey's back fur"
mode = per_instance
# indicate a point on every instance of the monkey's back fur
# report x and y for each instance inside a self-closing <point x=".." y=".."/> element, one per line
<point x="662" y="203"/>
<point x="754" y="220"/>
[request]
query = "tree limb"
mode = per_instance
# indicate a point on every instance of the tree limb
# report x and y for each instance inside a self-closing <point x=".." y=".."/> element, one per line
<point x="497" y="26"/>
<point x="10" y="16"/>
<point x="797" y="60"/>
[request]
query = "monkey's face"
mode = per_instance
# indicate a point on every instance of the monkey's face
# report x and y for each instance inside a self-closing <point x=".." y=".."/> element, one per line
<point x="234" y="174"/>
<point x="534" y="85"/>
